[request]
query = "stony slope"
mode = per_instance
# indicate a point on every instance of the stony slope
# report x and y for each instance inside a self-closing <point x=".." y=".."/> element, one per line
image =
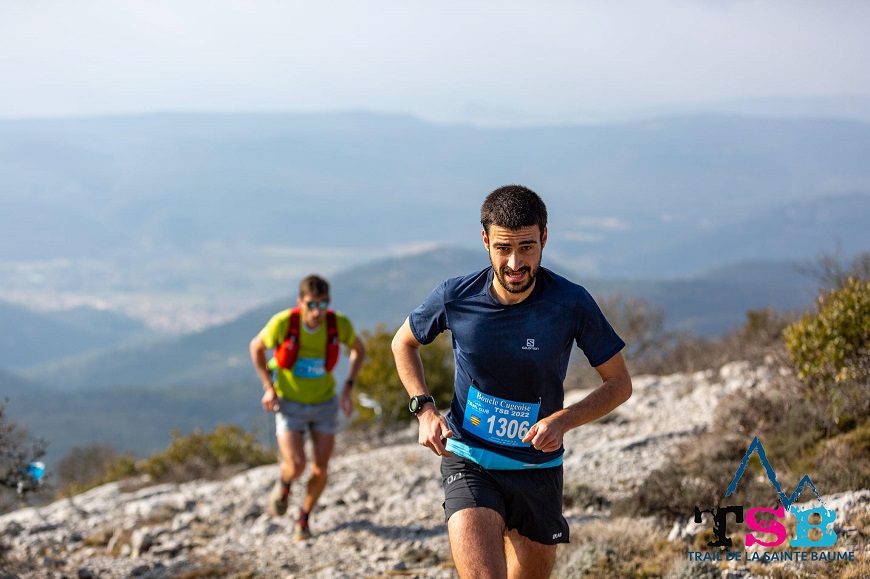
<point x="380" y="515"/>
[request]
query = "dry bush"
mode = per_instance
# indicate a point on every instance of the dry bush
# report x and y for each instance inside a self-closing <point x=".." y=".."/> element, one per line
<point x="83" y="466"/>
<point x="619" y="547"/>
<point x="843" y="462"/>
<point x="217" y="454"/>
<point x="17" y="450"/>
<point x="580" y="496"/>
<point x="759" y="338"/>
<point x="831" y="270"/>
<point x="699" y="470"/>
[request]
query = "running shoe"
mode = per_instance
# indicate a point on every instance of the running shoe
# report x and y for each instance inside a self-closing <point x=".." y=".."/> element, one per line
<point x="301" y="532"/>
<point x="278" y="499"/>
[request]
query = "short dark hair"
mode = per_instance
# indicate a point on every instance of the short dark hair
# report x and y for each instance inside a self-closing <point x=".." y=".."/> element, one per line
<point x="513" y="206"/>
<point x="313" y="285"/>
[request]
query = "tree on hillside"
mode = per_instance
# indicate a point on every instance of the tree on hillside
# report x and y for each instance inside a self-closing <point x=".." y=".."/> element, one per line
<point x="18" y="450"/>
<point x="640" y="323"/>
<point x="379" y="380"/>
<point x="832" y="271"/>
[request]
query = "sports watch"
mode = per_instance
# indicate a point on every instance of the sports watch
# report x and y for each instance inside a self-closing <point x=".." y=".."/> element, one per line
<point x="415" y="405"/>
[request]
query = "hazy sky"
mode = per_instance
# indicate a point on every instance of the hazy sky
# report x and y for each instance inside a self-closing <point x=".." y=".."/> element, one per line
<point x="466" y="60"/>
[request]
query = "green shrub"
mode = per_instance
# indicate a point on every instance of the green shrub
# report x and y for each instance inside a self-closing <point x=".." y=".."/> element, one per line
<point x="379" y="380"/>
<point x="199" y="454"/>
<point x="188" y="457"/>
<point x="831" y="344"/>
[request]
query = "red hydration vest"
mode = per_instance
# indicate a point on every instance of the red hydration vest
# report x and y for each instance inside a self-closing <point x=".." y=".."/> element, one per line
<point x="288" y="351"/>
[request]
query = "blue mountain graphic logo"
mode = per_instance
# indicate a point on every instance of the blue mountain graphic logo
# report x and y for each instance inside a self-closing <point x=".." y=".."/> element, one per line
<point x="785" y="500"/>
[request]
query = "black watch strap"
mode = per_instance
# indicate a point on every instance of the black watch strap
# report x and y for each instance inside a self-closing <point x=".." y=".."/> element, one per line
<point x="416" y="404"/>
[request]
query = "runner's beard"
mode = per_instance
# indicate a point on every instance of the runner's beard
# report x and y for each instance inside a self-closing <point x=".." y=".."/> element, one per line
<point x="515" y="287"/>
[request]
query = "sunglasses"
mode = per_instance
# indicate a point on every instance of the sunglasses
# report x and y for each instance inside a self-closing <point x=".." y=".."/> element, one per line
<point x="321" y="305"/>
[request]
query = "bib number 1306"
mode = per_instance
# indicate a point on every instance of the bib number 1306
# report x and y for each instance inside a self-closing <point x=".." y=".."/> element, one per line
<point x="498" y="420"/>
<point x="508" y="428"/>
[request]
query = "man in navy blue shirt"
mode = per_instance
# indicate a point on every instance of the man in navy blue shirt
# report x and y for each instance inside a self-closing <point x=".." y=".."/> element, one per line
<point x="513" y="326"/>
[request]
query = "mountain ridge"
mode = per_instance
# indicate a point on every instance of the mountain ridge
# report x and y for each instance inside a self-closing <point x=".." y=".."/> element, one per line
<point x="385" y="291"/>
<point x="172" y="182"/>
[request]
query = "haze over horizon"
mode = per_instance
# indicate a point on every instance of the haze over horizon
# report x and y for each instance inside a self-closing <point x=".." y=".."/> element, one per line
<point x="131" y="213"/>
<point x="490" y="63"/>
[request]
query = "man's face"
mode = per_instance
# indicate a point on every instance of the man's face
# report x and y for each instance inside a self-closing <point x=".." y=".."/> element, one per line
<point x="515" y="255"/>
<point x="313" y="308"/>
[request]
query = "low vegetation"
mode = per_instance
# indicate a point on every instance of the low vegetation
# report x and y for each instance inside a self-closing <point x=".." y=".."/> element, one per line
<point x="618" y="547"/>
<point x="18" y="449"/>
<point x="379" y="381"/>
<point x="224" y="451"/>
<point x="811" y="419"/>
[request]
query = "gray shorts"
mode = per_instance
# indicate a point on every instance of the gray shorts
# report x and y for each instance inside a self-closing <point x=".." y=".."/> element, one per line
<point x="296" y="417"/>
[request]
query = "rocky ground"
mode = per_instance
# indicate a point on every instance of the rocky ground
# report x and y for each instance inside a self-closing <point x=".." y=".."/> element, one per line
<point x="380" y="515"/>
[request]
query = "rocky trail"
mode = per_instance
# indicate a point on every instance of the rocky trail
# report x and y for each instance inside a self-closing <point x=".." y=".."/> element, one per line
<point x="380" y="516"/>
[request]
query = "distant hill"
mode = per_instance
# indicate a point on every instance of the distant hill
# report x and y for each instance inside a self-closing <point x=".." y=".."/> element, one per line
<point x="718" y="300"/>
<point x="12" y="384"/>
<point x="135" y="419"/>
<point x="135" y="395"/>
<point x="30" y="337"/>
<point x="786" y="232"/>
<point x="378" y="292"/>
<point x="149" y="187"/>
<point x="384" y="292"/>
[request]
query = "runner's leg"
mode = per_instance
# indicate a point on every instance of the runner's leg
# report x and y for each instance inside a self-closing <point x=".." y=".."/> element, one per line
<point x="527" y="558"/>
<point x="323" y="444"/>
<point x="292" y="446"/>
<point x="477" y="543"/>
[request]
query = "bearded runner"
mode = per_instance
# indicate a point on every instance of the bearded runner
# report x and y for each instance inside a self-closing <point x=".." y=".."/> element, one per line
<point x="513" y="325"/>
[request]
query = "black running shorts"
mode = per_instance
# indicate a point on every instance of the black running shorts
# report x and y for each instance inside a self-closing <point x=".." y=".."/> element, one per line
<point x="528" y="500"/>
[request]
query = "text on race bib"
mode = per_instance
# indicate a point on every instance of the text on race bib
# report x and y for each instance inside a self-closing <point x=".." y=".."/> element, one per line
<point x="309" y="368"/>
<point x="498" y="420"/>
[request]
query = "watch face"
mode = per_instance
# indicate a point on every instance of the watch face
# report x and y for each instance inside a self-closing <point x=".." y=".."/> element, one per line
<point x="417" y="402"/>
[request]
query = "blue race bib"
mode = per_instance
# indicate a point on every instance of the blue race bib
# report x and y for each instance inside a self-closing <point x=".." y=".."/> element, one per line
<point x="497" y="420"/>
<point x="309" y="368"/>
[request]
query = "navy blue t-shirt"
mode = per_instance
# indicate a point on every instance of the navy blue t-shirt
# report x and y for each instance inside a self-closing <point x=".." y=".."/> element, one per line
<point x="516" y="352"/>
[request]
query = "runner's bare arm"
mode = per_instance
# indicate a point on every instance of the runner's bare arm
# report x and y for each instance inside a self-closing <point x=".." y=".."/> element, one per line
<point x="615" y="389"/>
<point x="258" y="356"/>
<point x="433" y="426"/>
<point x="357" y="355"/>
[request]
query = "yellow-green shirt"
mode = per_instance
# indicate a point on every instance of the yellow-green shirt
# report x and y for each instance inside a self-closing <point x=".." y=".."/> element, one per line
<point x="307" y="382"/>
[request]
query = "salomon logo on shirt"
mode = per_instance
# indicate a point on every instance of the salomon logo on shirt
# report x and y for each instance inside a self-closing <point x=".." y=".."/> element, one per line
<point x="530" y="345"/>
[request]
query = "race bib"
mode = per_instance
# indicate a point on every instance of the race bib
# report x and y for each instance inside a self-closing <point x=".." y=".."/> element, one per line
<point x="309" y="368"/>
<point x="497" y="420"/>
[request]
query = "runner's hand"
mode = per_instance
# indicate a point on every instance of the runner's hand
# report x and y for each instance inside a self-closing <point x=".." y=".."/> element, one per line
<point x="346" y="402"/>
<point x="270" y="400"/>
<point x="546" y="435"/>
<point x="433" y="431"/>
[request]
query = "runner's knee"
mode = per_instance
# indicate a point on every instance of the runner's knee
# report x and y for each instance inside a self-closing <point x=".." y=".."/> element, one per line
<point x="293" y="467"/>
<point x="319" y="470"/>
